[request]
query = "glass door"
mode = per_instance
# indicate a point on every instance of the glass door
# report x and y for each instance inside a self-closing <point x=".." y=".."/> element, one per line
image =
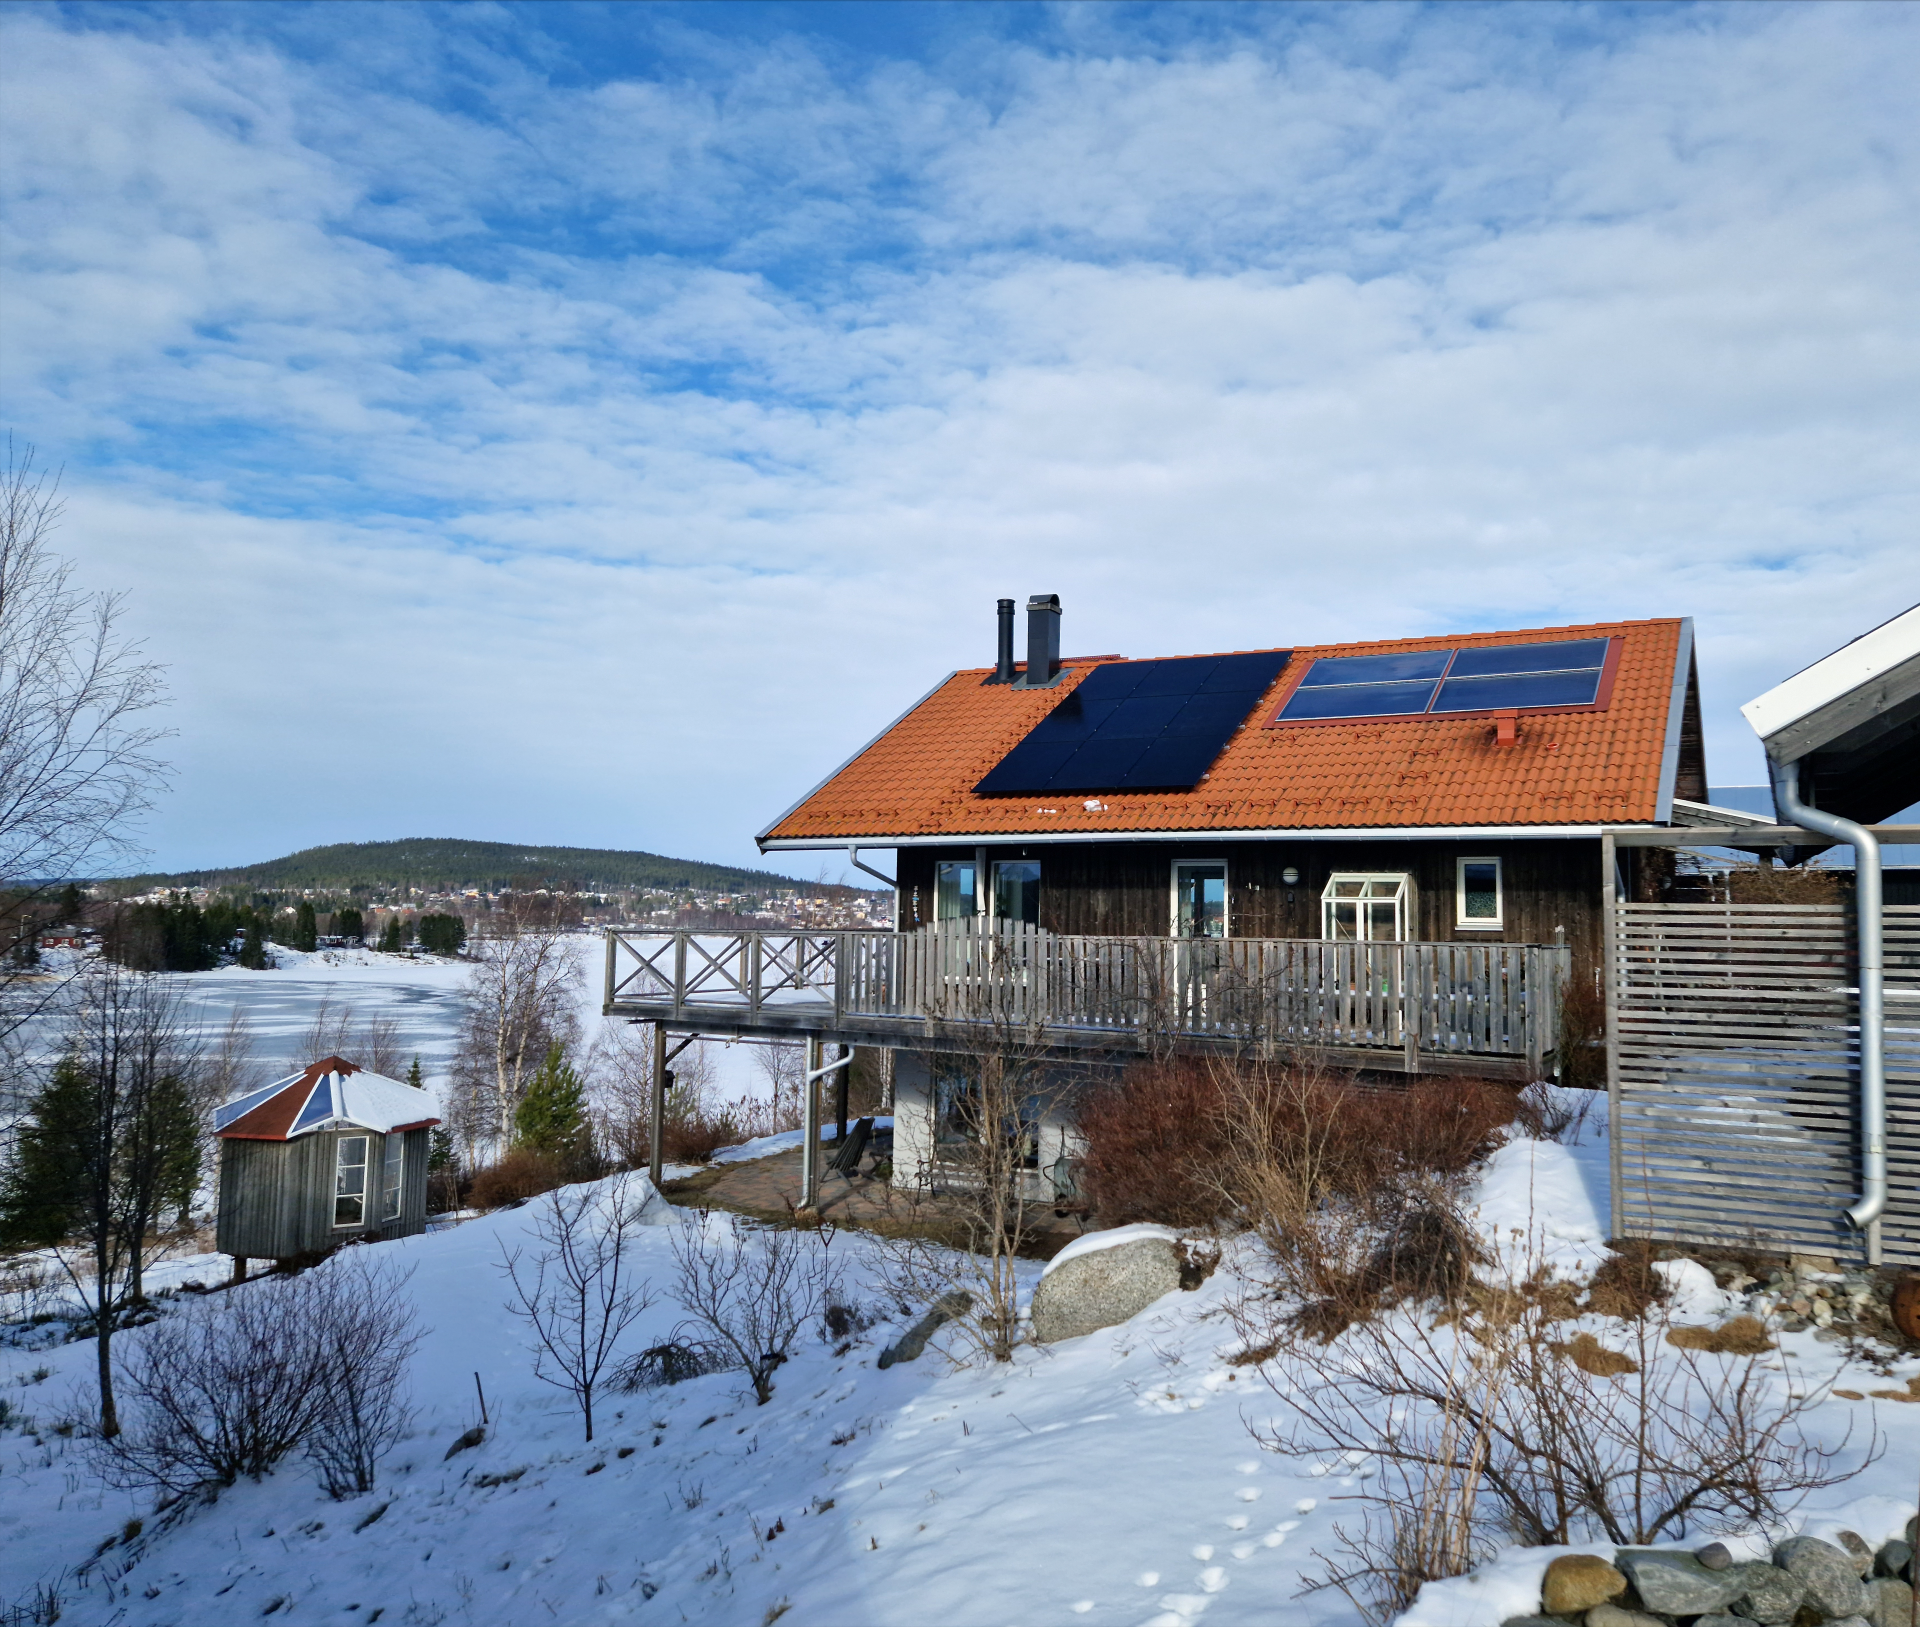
<point x="1200" y="900"/>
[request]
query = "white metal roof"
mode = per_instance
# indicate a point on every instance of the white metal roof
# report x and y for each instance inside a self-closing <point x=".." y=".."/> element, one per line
<point x="1870" y="656"/>
<point x="335" y="1097"/>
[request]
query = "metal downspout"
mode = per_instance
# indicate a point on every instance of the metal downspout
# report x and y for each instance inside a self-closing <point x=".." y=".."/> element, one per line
<point x="1873" y="1057"/>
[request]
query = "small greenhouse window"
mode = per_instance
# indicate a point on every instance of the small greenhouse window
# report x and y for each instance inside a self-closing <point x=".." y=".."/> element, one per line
<point x="1364" y="908"/>
<point x="1479" y="903"/>
<point x="350" y="1181"/>
<point x="392" y="1162"/>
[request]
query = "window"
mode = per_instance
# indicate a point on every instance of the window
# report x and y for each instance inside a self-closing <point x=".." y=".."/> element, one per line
<point x="392" y="1162"/>
<point x="350" y="1181"/>
<point x="1016" y="890"/>
<point x="955" y="895"/>
<point x="1200" y="900"/>
<point x="1477" y="892"/>
<point x="1364" y="909"/>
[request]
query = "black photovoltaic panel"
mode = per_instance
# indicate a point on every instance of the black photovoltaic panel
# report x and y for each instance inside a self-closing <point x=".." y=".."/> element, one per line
<point x="1493" y="678"/>
<point x="1138" y="726"/>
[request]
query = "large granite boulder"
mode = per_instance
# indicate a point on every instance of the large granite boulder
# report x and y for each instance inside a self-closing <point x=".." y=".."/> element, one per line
<point x="1104" y="1279"/>
<point x="1768" y="1594"/>
<point x="1832" y="1580"/>
<point x="1677" y="1584"/>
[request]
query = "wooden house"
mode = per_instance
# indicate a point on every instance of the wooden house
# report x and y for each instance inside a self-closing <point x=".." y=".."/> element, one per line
<point x="330" y="1155"/>
<point x="1389" y="851"/>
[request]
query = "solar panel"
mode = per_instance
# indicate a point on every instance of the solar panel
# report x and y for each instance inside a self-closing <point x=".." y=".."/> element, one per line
<point x="1501" y="677"/>
<point x="1138" y="725"/>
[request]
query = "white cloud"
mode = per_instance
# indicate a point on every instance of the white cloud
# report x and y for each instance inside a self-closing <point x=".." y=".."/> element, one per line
<point x="523" y="452"/>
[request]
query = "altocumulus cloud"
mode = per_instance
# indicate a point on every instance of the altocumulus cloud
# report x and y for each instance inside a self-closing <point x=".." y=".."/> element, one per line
<point x="589" y="425"/>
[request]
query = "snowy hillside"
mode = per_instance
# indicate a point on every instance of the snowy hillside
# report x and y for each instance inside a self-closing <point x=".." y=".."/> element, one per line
<point x="1110" y="1479"/>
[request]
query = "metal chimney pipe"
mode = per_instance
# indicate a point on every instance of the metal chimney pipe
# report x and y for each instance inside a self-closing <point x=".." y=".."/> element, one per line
<point x="1003" y="667"/>
<point x="1043" y="640"/>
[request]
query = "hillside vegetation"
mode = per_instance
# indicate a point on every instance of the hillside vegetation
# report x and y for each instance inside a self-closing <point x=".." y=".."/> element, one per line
<point x="445" y="864"/>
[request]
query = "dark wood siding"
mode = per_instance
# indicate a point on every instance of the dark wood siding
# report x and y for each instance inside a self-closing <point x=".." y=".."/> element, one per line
<point x="276" y="1197"/>
<point x="1126" y="888"/>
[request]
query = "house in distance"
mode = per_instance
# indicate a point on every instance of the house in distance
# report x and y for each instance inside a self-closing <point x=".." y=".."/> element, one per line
<point x="330" y="1155"/>
<point x="1388" y="851"/>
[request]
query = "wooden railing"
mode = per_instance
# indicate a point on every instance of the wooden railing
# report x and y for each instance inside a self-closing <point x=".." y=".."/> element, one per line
<point x="1462" y="999"/>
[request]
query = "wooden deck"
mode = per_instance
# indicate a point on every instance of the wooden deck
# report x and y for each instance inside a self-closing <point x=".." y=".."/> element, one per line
<point x="1489" y="1009"/>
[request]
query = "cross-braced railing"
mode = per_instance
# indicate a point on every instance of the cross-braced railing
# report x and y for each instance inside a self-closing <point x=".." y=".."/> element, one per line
<point x="1496" y="1000"/>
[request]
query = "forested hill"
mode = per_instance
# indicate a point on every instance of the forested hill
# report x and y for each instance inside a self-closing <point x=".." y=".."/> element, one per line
<point x="437" y="864"/>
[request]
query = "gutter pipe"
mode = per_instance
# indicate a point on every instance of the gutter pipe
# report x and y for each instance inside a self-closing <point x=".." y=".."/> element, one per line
<point x="1867" y="922"/>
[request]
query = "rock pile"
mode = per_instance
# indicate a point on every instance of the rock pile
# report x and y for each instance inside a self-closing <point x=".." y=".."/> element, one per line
<point x="1837" y="1305"/>
<point x="1810" y="1582"/>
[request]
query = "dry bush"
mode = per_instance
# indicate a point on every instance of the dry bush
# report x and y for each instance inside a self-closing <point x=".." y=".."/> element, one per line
<point x="692" y="1131"/>
<point x="1580" y="1046"/>
<point x="1627" y="1286"/>
<point x="233" y="1385"/>
<point x="751" y="1291"/>
<point x="575" y="1293"/>
<point x="1749" y="882"/>
<point x="1196" y="1141"/>
<point x="671" y="1363"/>
<point x="520" y="1175"/>
<point x="1486" y="1428"/>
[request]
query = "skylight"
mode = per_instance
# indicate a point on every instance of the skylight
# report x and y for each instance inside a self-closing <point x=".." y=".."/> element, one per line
<point x="1491" y="678"/>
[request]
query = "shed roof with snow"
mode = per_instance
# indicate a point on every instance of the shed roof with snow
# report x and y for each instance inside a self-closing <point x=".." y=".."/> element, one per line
<point x="331" y="1094"/>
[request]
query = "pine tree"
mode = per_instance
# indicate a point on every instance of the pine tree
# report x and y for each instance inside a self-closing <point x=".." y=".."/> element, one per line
<point x="306" y="929"/>
<point x="552" y="1116"/>
<point x="391" y="942"/>
<point x="350" y="924"/>
<point x="44" y="1190"/>
<point x="71" y="904"/>
<point x="253" y="947"/>
<point x="414" y="1077"/>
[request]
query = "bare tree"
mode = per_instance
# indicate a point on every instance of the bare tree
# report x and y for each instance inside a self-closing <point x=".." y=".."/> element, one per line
<point x="752" y="1290"/>
<point x="784" y="1067"/>
<point x="115" y="1145"/>
<point x="521" y="999"/>
<point x="619" y="1072"/>
<point x="76" y="759"/>
<point x="576" y="1293"/>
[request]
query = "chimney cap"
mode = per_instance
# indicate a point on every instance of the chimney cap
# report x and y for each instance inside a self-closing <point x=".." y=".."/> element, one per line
<point x="1044" y="601"/>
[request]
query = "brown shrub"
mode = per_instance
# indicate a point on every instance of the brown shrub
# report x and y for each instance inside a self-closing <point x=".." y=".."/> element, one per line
<point x="1752" y="883"/>
<point x="1580" y="1047"/>
<point x="695" y="1136"/>
<point x="521" y="1174"/>
<point x="1170" y="1142"/>
<point x="1627" y="1286"/>
<point x="1743" y="1336"/>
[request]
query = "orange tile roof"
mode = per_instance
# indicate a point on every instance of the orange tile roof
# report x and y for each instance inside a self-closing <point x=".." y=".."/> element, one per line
<point x="1567" y="768"/>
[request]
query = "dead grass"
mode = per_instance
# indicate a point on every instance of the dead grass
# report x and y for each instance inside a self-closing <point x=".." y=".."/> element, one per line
<point x="1591" y="1356"/>
<point x="521" y="1174"/>
<point x="1627" y="1286"/>
<point x="1743" y="1336"/>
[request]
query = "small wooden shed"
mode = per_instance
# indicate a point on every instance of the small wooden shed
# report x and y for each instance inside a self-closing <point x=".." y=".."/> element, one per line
<point x="330" y="1155"/>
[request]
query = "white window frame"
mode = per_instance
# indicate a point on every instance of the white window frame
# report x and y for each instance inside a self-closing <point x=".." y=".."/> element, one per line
<point x="340" y="1168"/>
<point x="1226" y="905"/>
<point x="393" y="1176"/>
<point x="1401" y="899"/>
<point x="1479" y="923"/>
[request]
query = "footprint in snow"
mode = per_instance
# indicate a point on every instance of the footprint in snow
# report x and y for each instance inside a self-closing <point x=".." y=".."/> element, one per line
<point x="1149" y="1578"/>
<point x="1203" y="1552"/>
<point x="1213" y="1579"/>
<point x="1246" y="1550"/>
<point x="1082" y="1607"/>
<point x="1249" y="1494"/>
<point x="1251" y="1466"/>
<point x="1239" y="1522"/>
<point x="1306" y="1505"/>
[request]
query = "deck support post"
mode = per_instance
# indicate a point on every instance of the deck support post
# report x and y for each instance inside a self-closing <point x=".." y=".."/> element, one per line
<point x="810" y="1125"/>
<point x="1610" y="1029"/>
<point x="656" y="1125"/>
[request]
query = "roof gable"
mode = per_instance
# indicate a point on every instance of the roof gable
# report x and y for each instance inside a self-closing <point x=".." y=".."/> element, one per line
<point x="1606" y="764"/>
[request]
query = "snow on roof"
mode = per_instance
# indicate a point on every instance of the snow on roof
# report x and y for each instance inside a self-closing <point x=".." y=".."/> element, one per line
<point x="325" y="1095"/>
<point x="1869" y="657"/>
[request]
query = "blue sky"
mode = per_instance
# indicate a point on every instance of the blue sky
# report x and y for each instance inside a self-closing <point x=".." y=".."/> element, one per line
<point x="589" y="423"/>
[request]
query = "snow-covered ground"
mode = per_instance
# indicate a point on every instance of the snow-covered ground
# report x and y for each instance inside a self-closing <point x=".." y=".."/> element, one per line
<point x="1110" y="1479"/>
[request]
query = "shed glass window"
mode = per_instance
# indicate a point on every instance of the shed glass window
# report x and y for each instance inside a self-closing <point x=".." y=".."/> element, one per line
<point x="1365" y="908"/>
<point x="391" y="1163"/>
<point x="1016" y="890"/>
<point x="1200" y="900"/>
<point x="955" y="893"/>
<point x="350" y="1181"/>
<point x="1478" y="901"/>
